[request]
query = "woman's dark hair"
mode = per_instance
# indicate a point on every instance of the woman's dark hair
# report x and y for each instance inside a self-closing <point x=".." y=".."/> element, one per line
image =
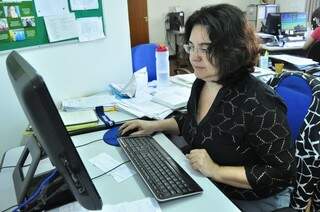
<point x="315" y="14"/>
<point x="233" y="47"/>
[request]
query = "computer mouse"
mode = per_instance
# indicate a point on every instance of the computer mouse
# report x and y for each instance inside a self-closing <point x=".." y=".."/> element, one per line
<point x="129" y="132"/>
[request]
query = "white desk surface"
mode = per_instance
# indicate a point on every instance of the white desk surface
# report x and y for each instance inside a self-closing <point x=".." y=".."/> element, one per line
<point x="131" y="189"/>
<point x="282" y="48"/>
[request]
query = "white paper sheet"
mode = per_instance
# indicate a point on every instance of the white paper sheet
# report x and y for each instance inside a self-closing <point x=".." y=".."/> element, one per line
<point x="122" y="173"/>
<point x="146" y="204"/>
<point x="84" y="4"/>
<point x="61" y="27"/>
<point x="90" y="29"/>
<point x="51" y="7"/>
<point x="89" y="102"/>
<point x="105" y="162"/>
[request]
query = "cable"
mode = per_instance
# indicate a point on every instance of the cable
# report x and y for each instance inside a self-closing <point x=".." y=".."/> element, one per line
<point x="26" y="165"/>
<point x="110" y="170"/>
<point x="89" y="143"/>
<point x="42" y="186"/>
<point x="6" y="167"/>
<point x="9" y="208"/>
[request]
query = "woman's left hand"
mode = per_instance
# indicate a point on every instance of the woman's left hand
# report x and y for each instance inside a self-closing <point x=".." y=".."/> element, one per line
<point x="201" y="161"/>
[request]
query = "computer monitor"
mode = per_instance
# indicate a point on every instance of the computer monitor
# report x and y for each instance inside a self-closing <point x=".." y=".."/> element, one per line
<point x="293" y="23"/>
<point x="50" y="134"/>
<point x="273" y="23"/>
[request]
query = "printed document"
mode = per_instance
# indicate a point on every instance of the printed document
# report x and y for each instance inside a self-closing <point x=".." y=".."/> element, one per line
<point x="84" y="4"/>
<point x="90" y="28"/>
<point x="147" y="204"/>
<point x="61" y="27"/>
<point x="51" y="7"/>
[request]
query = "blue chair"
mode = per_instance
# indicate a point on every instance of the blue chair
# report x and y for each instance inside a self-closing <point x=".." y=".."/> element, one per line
<point x="301" y="93"/>
<point x="144" y="55"/>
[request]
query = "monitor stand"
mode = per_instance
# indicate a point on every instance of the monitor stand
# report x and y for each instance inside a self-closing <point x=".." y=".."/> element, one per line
<point x="57" y="192"/>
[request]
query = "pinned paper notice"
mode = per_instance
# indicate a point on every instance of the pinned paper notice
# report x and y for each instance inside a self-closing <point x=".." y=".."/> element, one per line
<point x="61" y="27"/>
<point x="84" y="4"/>
<point x="90" y="28"/>
<point x="51" y="7"/>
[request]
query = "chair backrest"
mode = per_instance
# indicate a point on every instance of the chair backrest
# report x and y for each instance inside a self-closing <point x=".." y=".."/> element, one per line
<point x="314" y="52"/>
<point x="144" y="55"/>
<point x="301" y="93"/>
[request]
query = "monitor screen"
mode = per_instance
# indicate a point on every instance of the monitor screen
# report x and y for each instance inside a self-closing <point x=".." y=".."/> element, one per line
<point x="273" y="23"/>
<point x="50" y="131"/>
<point x="293" y="22"/>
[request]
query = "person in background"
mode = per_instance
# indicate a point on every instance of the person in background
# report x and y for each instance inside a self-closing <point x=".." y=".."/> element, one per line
<point x="235" y="124"/>
<point x="12" y="12"/>
<point x="315" y="35"/>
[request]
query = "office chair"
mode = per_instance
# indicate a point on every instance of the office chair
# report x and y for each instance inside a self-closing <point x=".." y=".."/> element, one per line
<point x="301" y="93"/>
<point x="314" y="52"/>
<point x="143" y="55"/>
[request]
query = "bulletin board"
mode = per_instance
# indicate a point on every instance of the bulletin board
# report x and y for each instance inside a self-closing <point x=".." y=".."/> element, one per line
<point x="23" y="28"/>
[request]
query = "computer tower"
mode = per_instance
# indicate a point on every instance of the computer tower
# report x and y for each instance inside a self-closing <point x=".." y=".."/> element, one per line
<point x="257" y="14"/>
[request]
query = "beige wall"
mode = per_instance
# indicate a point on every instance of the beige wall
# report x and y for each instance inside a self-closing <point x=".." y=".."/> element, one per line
<point x="291" y="6"/>
<point x="157" y="10"/>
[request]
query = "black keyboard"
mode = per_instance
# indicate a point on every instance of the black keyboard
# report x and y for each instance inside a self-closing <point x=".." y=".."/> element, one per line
<point x="164" y="177"/>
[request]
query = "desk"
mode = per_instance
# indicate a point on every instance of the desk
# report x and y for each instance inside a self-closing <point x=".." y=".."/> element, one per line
<point x="286" y="49"/>
<point x="133" y="188"/>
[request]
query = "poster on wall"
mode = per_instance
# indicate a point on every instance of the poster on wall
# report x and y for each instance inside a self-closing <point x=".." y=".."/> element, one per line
<point x="26" y="23"/>
<point x="17" y="21"/>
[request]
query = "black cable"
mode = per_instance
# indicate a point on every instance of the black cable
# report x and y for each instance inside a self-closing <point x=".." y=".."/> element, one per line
<point x="9" y="208"/>
<point x="89" y="143"/>
<point x="110" y="170"/>
<point x="26" y="165"/>
<point x="5" y="167"/>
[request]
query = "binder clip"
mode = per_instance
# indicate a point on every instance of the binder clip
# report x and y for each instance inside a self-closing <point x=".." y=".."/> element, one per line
<point x="103" y="117"/>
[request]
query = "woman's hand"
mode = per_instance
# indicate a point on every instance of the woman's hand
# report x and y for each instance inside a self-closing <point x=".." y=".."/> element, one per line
<point x="202" y="162"/>
<point x="138" y="127"/>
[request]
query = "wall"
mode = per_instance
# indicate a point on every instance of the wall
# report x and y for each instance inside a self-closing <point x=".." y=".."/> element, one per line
<point x="157" y="11"/>
<point x="291" y="6"/>
<point x="70" y="70"/>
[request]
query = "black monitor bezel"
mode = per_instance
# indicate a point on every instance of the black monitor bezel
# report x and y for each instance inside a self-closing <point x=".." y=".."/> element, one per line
<point x="273" y="18"/>
<point x="48" y="128"/>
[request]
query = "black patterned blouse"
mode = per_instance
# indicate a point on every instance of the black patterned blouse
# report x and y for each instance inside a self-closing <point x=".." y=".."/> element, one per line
<point x="245" y="126"/>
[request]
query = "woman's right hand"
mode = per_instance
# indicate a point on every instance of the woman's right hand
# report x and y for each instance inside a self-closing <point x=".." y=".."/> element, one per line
<point x="138" y="127"/>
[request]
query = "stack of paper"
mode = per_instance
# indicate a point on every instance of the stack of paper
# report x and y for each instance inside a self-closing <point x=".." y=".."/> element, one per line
<point x="90" y="102"/>
<point x="183" y="79"/>
<point x="78" y="117"/>
<point x="174" y="98"/>
<point x="263" y="74"/>
<point x="144" y="107"/>
<point x="300" y="62"/>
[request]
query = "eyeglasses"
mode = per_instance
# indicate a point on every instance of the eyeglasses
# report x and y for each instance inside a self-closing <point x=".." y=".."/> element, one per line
<point x="191" y="49"/>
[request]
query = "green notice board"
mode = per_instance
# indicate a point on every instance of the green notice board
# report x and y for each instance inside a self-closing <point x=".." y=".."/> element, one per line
<point x="21" y="27"/>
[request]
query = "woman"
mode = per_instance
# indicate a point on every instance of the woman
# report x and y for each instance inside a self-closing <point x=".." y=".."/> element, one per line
<point x="235" y="124"/>
<point x="315" y="35"/>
